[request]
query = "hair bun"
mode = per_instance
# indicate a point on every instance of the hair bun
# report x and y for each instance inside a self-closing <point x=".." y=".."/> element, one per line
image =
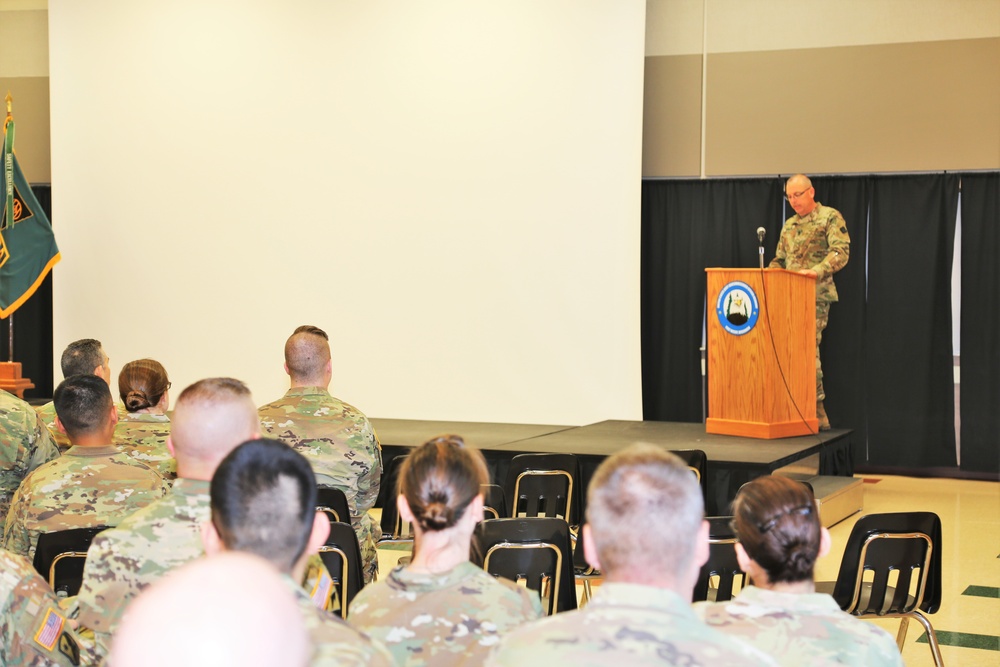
<point x="136" y="400"/>
<point x="437" y="516"/>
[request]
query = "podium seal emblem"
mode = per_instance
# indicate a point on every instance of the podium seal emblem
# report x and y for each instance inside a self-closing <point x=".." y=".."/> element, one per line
<point x="737" y="308"/>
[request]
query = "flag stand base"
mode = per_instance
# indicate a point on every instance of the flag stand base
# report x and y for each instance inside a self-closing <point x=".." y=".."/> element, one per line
<point x="11" y="380"/>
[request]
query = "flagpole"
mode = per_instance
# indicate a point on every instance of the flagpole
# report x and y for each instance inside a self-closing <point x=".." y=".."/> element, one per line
<point x="10" y="318"/>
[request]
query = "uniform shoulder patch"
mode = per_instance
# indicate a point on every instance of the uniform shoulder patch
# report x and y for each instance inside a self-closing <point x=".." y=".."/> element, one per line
<point x="50" y="629"/>
<point x="69" y="648"/>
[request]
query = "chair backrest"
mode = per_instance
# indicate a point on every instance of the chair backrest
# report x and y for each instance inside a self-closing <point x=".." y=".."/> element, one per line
<point x="60" y="556"/>
<point x="391" y="523"/>
<point x="333" y="503"/>
<point x="494" y="505"/>
<point x="342" y="557"/>
<point x="721" y="563"/>
<point x="543" y="485"/>
<point x="898" y="556"/>
<point x="697" y="461"/>
<point x="535" y="550"/>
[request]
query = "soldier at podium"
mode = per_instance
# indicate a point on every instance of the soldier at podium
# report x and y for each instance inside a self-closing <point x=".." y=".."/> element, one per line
<point x="814" y="242"/>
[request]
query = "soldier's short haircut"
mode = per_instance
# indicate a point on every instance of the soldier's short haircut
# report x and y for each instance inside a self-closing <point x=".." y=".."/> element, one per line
<point x="211" y="417"/>
<point x="81" y="357"/>
<point x="307" y="352"/>
<point x="264" y="501"/>
<point x="439" y="480"/>
<point x="777" y="523"/>
<point x="82" y="403"/>
<point x="142" y="383"/>
<point x="644" y="508"/>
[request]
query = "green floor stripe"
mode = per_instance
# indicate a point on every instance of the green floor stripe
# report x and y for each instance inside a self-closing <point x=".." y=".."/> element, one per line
<point x="395" y="547"/>
<point x="982" y="591"/>
<point x="964" y="640"/>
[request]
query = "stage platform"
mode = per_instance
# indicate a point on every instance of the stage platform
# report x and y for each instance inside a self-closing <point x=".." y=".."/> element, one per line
<point x="732" y="460"/>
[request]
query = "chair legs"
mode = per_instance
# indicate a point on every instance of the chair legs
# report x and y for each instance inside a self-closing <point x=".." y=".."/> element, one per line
<point x="928" y="628"/>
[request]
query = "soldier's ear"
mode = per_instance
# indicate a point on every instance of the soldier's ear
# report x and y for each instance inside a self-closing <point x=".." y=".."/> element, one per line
<point x="287" y="372"/>
<point x="59" y="426"/>
<point x="319" y="533"/>
<point x="825" y="541"/>
<point x="210" y="539"/>
<point x="170" y="446"/>
<point x="404" y="509"/>
<point x="589" y="548"/>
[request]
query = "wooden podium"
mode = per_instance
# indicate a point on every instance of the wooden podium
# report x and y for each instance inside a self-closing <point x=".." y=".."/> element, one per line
<point x="748" y="310"/>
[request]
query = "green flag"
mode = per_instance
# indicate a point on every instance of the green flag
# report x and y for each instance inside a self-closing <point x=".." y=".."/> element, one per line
<point x="28" y="248"/>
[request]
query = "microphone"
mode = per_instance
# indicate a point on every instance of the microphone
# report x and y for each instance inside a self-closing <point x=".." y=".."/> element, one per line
<point x="760" y="234"/>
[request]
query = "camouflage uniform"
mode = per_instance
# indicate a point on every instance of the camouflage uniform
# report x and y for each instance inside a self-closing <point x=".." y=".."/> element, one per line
<point x="48" y="414"/>
<point x="143" y="436"/>
<point x="341" y="447"/>
<point x="625" y="625"/>
<point x="123" y="561"/>
<point x="33" y="630"/>
<point x="336" y="644"/>
<point x="84" y="488"/>
<point x="801" y="629"/>
<point x="455" y="618"/>
<point x="25" y="444"/>
<point x="818" y="241"/>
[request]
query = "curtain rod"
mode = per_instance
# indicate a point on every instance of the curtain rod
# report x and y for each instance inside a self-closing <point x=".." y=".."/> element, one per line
<point x="734" y="177"/>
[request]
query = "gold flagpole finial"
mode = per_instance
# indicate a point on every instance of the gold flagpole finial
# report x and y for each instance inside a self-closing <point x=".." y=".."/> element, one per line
<point x="9" y="101"/>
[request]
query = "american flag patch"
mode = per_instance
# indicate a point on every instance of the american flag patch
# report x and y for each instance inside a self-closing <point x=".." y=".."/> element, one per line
<point x="322" y="590"/>
<point x="48" y="633"/>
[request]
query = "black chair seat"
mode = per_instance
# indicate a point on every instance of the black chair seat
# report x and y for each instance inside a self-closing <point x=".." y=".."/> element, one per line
<point x="721" y="563"/>
<point x="60" y="557"/>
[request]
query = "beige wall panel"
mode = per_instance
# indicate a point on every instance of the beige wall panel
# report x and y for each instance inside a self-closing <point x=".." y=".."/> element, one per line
<point x="671" y="119"/>
<point x="24" y="42"/>
<point x="901" y="107"/>
<point x="31" y="115"/>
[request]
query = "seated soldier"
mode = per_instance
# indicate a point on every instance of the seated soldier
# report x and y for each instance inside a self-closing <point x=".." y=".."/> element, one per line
<point x="81" y="357"/>
<point x="211" y="418"/>
<point x="231" y="609"/>
<point x="336" y="438"/>
<point x="264" y="503"/>
<point x="92" y="484"/>
<point x="25" y="444"/>
<point x="646" y="533"/>
<point x="34" y="630"/>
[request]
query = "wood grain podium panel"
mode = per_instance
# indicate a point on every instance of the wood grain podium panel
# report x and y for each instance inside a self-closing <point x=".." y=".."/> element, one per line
<point x="762" y="384"/>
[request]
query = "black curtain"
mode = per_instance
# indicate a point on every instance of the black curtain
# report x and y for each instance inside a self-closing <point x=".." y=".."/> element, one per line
<point x="33" y="325"/>
<point x="910" y="381"/>
<point x="980" y="336"/>
<point x="843" y="349"/>
<point x="688" y="226"/>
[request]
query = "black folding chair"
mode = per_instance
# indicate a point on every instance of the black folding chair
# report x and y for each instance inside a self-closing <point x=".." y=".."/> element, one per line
<point x="393" y="529"/>
<point x="60" y="556"/>
<point x="532" y="550"/>
<point x="721" y="574"/>
<point x="543" y="485"/>
<point x="494" y="505"/>
<point x="333" y="503"/>
<point x="341" y="555"/>
<point x="892" y="569"/>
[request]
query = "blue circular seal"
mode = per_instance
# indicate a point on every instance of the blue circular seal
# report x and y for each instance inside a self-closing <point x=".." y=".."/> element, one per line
<point x="737" y="308"/>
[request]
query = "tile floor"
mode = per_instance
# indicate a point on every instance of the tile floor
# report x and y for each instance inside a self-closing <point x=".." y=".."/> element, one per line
<point x="970" y="515"/>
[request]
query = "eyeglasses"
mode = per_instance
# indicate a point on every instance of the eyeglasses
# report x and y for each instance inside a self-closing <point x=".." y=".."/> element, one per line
<point x="796" y="195"/>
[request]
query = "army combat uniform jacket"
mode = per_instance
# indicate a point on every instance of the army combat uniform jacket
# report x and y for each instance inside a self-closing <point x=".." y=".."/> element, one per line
<point x="335" y="643"/>
<point x="123" y="561"/>
<point x="34" y="632"/>
<point x="625" y="625"/>
<point x="25" y="444"/>
<point x="143" y="436"/>
<point x="340" y="445"/>
<point x="818" y="241"/>
<point x="454" y="618"/>
<point x="84" y="488"/>
<point x="801" y="629"/>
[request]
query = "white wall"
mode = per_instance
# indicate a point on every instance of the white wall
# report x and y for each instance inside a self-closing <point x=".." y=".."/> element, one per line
<point x="449" y="188"/>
